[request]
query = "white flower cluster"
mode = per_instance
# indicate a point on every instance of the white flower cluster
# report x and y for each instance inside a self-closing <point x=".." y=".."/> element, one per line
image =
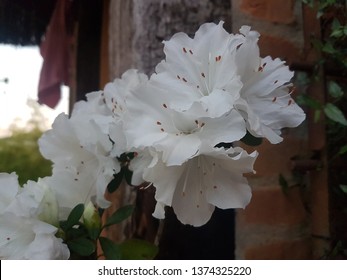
<point x="181" y="124"/>
<point x="29" y="220"/>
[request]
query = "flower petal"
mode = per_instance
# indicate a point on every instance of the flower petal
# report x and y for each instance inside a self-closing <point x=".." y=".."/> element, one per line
<point x="9" y="188"/>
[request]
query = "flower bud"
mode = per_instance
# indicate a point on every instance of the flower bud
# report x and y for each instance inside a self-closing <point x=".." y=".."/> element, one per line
<point x="91" y="218"/>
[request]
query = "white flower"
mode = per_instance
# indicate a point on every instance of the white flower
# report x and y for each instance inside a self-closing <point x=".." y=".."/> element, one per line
<point x="203" y="182"/>
<point x="266" y="102"/>
<point x="28" y="217"/>
<point x="150" y="122"/>
<point x="82" y="163"/>
<point x="36" y="199"/>
<point x="116" y="94"/>
<point x="138" y="165"/>
<point x="9" y="188"/>
<point x="200" y="70"/>
<point x="29" y="239"/>
<point x="94" y="109"/>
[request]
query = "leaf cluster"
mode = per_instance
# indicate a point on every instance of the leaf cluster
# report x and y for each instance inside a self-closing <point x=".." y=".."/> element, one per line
<point x="83" y="240"/>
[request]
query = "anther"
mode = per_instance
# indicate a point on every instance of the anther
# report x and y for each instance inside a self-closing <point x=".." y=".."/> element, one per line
<point x="218" y="58"/>
<point x="291" y="90"/>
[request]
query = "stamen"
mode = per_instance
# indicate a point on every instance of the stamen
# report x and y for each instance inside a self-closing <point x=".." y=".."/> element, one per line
<point x="184" y="80"/>
<point x="184" y="50"/>
<point x="291" y="90"/>
<point x="178" y="77"/>
<point x="158" y="123"/>
<point x="191" y="52"/>
<point x="165" y="106"/>
<point x="146" y="187"/>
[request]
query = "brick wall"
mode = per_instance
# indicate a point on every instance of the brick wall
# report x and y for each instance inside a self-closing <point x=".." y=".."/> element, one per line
<point x="276" y="225"/>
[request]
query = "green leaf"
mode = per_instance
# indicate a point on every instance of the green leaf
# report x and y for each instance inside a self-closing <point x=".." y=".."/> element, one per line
<point x="74" y="217"/>
<point x="334" y="89"/>
<point x="120" y="215"/>
<point x="251" y="140"/>
<point x="328" y="48"/>
<point x="343" y="150"/>
<point x="81" y="246"/>
<point x="335" y="114"/>
<point x="308" y="101"/>
<point x="111" y="250"/>
<point x="343" y="188"/>
<point x="116" y="181"/>
<point x="335" y="24"/>
<point x="135" y="249"/>
<point x="337" y="33"/>
<point x="317" y="115"/>
<point x="283" y="183"/>
<point x="94" y="233"/>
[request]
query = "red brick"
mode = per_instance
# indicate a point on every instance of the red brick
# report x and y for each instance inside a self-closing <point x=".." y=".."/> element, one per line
<point x="276" y="11"/>
<point x="270" y="206"/>
<point x="275" y="159"/>
<point x="279" y="47"/>
<point x="280" y="250"/>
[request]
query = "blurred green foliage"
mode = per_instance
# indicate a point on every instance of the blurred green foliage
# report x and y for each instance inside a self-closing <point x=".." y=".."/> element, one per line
<point x="20" y="153"/>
